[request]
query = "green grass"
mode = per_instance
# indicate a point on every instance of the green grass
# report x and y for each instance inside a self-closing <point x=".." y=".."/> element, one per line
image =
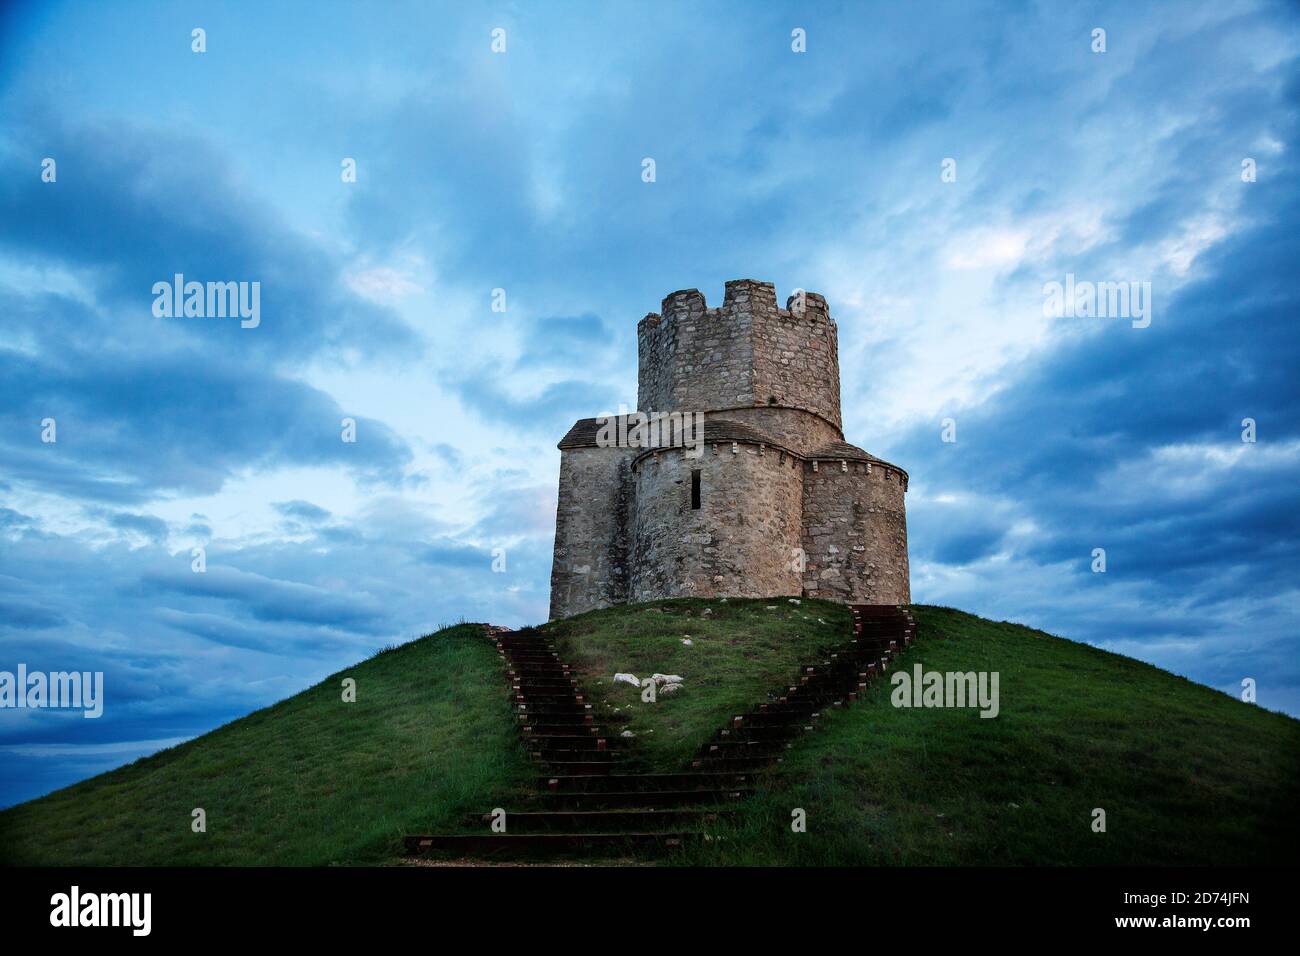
<point x="309" y="781"/>
<point x="740" y="652"/>
<point x="1184" y="773"/>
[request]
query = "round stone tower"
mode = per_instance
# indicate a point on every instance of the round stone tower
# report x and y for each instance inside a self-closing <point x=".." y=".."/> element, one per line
<point x="726" y="521"/>
<point x="766" y="500"/>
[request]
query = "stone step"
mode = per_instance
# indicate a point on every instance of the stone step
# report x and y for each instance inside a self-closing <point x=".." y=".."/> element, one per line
<point x="784" y="707"/>
<point x="549" y="698"/>
<point x="774" y="718"/>
<point x="602" y="821"/>
<point x="655" y="799"/>
<point x="727" y="747"/>
<point x="541" y="683"/>
<point x="548" y="844"/>
<point x="580" y="768"/>
<point x="551" y="728"/>
<point x="551" y="743"/>
<point x="577" y="748"/>
<point x="716" y="762"/>
<point x="533" y="707"/>
<point x="584" y="719"/>
<point x="645" y="782"/>
<point x="753" y="733"/>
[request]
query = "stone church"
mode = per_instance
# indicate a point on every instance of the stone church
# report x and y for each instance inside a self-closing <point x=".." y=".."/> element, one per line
<point x="767" y="499"/>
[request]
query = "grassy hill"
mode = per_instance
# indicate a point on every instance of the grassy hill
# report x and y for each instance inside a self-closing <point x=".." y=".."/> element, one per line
<point x="309" y="781"/>
<point x="1184" y="773"/>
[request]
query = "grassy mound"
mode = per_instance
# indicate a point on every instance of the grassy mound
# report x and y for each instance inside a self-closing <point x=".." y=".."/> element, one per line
<point x="309" y="781"/>
<point x="1184" y="774"/>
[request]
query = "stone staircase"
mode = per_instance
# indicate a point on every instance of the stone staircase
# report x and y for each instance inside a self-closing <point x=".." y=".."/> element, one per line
<point x="590" y="800"/>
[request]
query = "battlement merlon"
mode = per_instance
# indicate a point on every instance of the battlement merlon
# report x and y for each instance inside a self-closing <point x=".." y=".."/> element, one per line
<point x="740" y="295"/>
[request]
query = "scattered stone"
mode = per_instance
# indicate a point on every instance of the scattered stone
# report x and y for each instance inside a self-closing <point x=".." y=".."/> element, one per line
<point x="627" y="679"/>
<point x="795" y="601"/>
<point x="667" y="678"/>
<point x="687" y="641"/>
<point x="627" y="733"/>
<point x="670" y="688"/>
<point x="770" y="607"/>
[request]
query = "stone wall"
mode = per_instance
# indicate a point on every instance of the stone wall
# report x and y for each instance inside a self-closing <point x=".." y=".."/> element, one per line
<point x="592" y="520"/>
<point x="693" y="358"/>
<point x="855" y="533"/>
<point x="796" y="354"/>
<point x="800" y="431"/>
<point x="741" y="542"/>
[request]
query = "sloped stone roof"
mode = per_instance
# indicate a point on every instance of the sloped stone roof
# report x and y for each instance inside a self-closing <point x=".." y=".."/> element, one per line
<point x="843" y="451"/>
<point x="583" y="433"/>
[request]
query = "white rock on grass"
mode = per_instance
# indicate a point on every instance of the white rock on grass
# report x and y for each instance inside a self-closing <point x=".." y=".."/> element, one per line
<point x="627" y="733"/>
<point x="667" y="678"/>
<point x="687" y="641"/>
<point x="770" y="607"/>
<point x="670" y="688"/>
<point x="795" y="601"/>
<point x="627" y="679"/>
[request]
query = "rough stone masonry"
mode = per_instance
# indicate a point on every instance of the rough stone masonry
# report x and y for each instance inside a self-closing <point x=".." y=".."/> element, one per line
<point x="769" y="501"/>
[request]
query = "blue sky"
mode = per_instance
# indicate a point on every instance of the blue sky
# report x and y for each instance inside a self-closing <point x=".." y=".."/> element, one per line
<point x="522" y="171"/>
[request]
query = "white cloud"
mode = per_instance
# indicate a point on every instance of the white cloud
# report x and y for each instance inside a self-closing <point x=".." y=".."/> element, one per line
<point x="384" y="285"/>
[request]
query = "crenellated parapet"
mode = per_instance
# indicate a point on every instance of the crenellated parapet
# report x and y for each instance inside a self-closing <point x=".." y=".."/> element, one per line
<point x="748" y="352"/>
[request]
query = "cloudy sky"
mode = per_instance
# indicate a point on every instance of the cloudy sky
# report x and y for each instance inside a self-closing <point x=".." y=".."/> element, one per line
<point x="522" y="171"/>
